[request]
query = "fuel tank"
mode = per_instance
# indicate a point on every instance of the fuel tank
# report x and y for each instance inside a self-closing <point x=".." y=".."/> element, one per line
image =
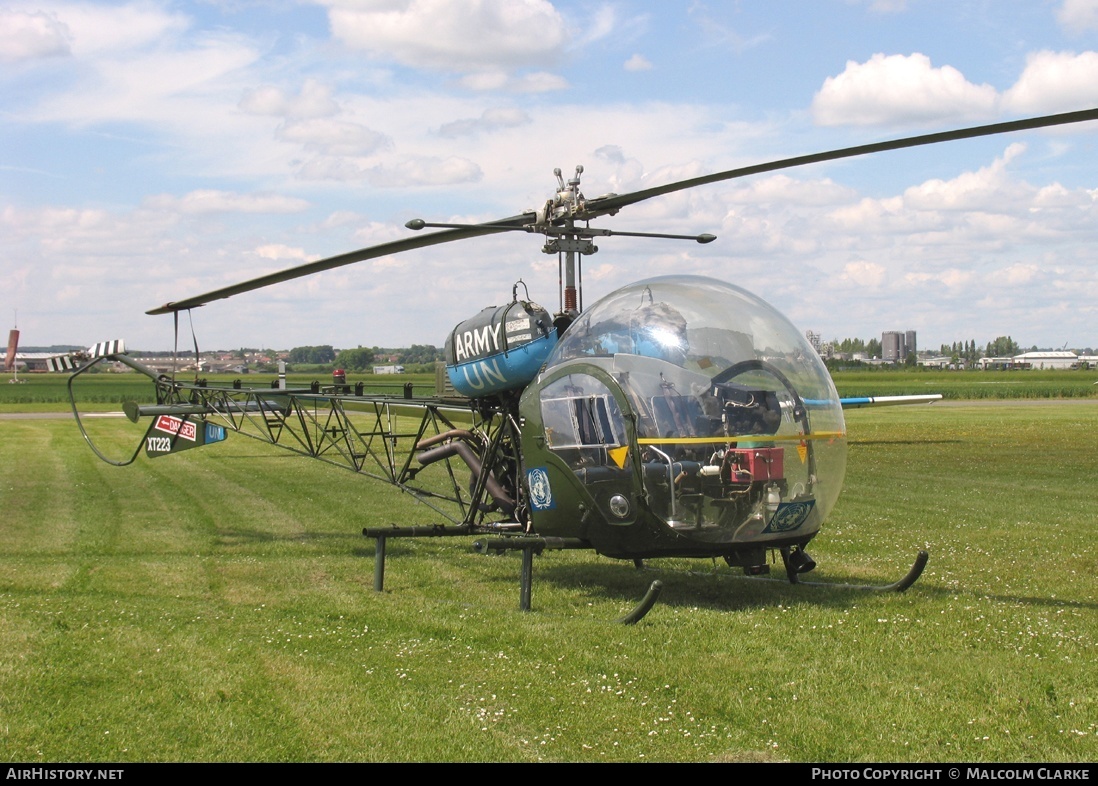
<point x="500" y="349"/>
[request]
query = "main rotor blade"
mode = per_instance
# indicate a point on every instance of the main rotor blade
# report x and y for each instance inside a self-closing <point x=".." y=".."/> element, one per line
<point x="370" y="252"/>
<point x="610" y="204"/>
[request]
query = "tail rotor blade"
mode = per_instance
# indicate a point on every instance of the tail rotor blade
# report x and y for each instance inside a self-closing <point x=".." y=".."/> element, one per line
<point x="73" y="360"/>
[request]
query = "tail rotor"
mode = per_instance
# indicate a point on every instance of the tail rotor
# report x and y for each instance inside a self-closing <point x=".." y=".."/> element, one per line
<point x="74" y="360"/>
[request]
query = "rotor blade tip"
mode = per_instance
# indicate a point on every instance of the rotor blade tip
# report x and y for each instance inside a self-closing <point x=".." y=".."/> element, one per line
<point x="416" y="224"/>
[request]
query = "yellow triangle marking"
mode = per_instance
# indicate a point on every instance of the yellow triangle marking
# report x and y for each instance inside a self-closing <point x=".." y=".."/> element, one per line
<point x="617" y="455"/>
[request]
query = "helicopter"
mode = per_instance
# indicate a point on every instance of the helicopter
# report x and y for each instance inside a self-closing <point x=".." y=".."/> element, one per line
<point x="678" y="416"/>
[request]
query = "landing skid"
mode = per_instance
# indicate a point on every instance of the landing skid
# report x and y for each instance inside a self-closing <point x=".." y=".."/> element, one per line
<point x="529" y="546"/>
<point x="896" y="586"/>
<point x="796" y="561"/>
<point x="645" y="606"/>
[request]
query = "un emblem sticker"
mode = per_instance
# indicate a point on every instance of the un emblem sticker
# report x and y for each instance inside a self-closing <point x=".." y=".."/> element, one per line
<point x="790" y="515"/>
<point x="541" y="495"/>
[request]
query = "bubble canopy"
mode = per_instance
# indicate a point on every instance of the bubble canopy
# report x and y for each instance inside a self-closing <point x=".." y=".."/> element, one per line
<point x="702" y="363"/>
<point x="698" y="322"/>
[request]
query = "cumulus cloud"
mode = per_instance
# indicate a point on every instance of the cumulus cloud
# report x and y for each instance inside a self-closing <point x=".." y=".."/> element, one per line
<point x="908" y="88"/>
<point x="864" y="274"/>
<point x="612" y="153"/>
<point x="954" y="279"/>
<point x="29" y="36"/>
<point x="410" y="172"/>
<point x="43" y="238"/>
<point x="161" y="85"/>
<point x="501" y="81"/>
<point x="784" y="190"/>
<point x="425" y="171"/>
<point x="899" y="88"/>
<point x="489" y="120"/>
<point x="277" y="251"/>
<point x="1077" y="16"/>
<point x="112" y="29"/>
<point x="452" y="36"/>
<point x="1016" y="274"/>
<point x="638" y="62"/>
<point x="340" y="218"/>
<point x="314" y="100"/>
<point x="505" y="117"/>
<point x="340" y="170"/>
<point x="603" y="22"/>
<point x="331" y="137"/>
<point x="213" y="201"/>
<point x="1055" y="81"/>
<point x="538" y="82"/>
<point x="988" y="188"/>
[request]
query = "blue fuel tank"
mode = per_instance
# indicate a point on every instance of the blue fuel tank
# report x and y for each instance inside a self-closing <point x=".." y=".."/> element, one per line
<point x="500" y="349"/>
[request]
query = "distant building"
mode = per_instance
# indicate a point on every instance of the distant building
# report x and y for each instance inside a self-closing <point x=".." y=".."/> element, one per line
<point x="939" y="361"/>
<point x="29" y="361"/>
<point x="1038" y="360"/>
<point x="1046" y="360"/>
<point x="892" y="346"/>
<point x="897" y="345"/>
<point x="825" y="349"/>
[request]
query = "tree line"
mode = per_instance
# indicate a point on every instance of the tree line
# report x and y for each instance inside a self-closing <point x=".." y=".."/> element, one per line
<point x="364" y="358"/>
<point x="968" y="352"/>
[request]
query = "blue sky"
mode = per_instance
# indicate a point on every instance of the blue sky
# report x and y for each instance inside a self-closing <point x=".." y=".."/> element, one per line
<point x="155" y="150"/>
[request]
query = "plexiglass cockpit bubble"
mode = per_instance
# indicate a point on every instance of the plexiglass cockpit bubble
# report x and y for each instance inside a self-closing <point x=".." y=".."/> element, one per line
<point x="737" y="422"/>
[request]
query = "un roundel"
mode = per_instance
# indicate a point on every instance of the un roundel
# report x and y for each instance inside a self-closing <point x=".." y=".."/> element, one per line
<point x="541" y="495"/>
<point x="790" y="516"/>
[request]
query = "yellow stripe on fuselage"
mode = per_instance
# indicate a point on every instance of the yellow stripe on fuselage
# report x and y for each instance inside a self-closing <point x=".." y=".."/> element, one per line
<point x="740" y="438"/>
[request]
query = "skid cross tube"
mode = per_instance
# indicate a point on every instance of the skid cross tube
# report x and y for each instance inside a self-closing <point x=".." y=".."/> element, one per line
<point x="382" y="534"/>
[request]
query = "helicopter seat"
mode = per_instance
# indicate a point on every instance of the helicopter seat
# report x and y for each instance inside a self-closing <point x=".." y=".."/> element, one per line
<point x="676" y="416"/>
<point x="678" y="472"/>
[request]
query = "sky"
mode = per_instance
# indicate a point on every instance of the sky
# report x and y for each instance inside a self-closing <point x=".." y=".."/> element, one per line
<point x="151" y="151"/>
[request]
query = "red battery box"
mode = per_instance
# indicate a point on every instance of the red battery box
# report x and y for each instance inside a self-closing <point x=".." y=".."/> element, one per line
<point x="750" y="464"/>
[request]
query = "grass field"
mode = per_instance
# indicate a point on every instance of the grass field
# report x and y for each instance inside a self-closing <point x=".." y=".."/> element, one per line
<point x="217" y="606"/>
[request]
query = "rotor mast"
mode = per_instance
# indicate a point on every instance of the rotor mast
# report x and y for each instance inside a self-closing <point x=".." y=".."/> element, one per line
<point x="556" y="219"/>
<point x="567" y="242"/>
